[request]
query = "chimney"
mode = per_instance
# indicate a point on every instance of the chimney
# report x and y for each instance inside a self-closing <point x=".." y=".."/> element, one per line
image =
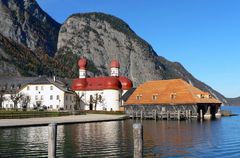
<point x="54" y="79"/>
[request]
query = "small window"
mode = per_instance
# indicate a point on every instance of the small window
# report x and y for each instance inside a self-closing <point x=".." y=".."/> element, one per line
<point x="36" y="88"/>
<point x="173" y="95"/>
<point x="42" y="88"/>
<point x="51" y="87"/>
<point x="36" y="97"/>
<point x="51" y="97"/>
<point x="19" y="86"/>
<point x="57" y="97"/>
<point x="138" y="97"/>
<point x="41" y="97"/>
<point x="28" y="98"/>
<point x="66" y="97"/>
<point x="28" y="88"/>
<point x="154" y="97"/>
<point x="51" y="106"/>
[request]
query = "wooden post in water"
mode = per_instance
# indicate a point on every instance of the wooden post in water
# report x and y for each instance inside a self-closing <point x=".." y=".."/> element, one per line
<point x="52" y="139"/>
<point x="138" y="140"/>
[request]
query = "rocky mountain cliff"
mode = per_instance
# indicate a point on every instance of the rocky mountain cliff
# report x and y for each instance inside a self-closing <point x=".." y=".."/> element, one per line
<point x="31" y="44"/>
<point x="24" y="22"/>
<point x="101" y="38"/>
<point x="18" y="60"/>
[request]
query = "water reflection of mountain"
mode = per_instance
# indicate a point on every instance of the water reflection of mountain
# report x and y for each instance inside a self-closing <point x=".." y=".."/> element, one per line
<point x="174" y="138"/>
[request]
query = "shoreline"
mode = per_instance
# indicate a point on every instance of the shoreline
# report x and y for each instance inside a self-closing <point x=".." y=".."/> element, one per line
<point x="72" y="119"/>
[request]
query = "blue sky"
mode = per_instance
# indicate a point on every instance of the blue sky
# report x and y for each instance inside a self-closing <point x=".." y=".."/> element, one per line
<point x="203" y="35"/>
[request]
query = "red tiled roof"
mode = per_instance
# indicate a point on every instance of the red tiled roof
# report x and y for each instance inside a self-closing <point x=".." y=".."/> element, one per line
<point x="174" y="91"/>
<point x="100" y="83"/>
<point x="126" y="83"/>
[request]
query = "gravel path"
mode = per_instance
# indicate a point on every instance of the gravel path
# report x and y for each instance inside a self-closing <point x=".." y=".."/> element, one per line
<point x="59" y="120"/>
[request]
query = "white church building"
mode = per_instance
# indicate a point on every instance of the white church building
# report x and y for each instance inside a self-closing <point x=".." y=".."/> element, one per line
<point x="101" y="93"/>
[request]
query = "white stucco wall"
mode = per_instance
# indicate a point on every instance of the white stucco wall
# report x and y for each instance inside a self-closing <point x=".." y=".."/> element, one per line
<point x="69" y="101"/>
<point x="85" y="97"/>
<point x="44" y="94"/>
<point x="82" y="73"/>
<point x="110" y="99"/>
<point x="114" y="72"/>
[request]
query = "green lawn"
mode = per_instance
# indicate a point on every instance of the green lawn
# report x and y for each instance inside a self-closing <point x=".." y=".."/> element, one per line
<point x="6" y="114"/>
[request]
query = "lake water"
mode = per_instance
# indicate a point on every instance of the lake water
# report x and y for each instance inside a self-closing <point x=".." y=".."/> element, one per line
<point x="215" y="138"/>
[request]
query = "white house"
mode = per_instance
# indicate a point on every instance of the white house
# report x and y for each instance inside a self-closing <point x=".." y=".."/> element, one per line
<point x="42" y="92"/>
<point x="101" y="93"/>
<point x="7" y="102"/>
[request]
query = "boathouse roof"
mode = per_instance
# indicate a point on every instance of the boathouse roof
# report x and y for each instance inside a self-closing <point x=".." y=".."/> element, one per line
<point x="169" y="92"/>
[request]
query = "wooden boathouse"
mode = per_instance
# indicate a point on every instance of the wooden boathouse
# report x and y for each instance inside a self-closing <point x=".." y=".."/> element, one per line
<point x="171" y="99"/>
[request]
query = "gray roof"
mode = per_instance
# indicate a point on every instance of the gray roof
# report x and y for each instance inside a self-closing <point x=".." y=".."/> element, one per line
<point x="12" y="84"/>
<point x="60" y="84"/>
<point x="128" y="94"/>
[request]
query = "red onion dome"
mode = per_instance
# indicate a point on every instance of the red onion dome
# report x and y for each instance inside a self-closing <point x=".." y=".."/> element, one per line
<point x="79" y="84"/>
<point x="82" y="63"/>
<point x="126" y="83"/>
<point x="115" y="64"/>
<point x="112" y="83"/>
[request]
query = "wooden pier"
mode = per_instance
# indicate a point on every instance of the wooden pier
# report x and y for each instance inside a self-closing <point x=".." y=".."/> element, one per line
<point x="162" y="112"/>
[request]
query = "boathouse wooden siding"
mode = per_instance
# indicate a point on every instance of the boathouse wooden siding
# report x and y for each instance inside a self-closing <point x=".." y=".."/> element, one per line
<point x="169" y="99"/>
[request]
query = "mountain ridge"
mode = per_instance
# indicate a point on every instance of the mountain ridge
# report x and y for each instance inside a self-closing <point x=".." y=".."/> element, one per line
<point x="98" y="36"/>
<point x="24" y="22"/>
<point x="97" y="39"/>
<point x="234" y="101"/>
